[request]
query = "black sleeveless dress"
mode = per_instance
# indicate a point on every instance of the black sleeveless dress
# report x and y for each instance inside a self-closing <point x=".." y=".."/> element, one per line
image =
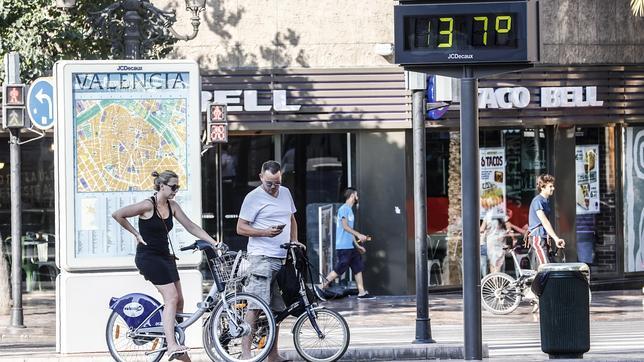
<point x="154" y="260"/>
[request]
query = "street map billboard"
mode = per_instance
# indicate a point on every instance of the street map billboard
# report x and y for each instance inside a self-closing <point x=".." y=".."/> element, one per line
<point x="118" y="122"/>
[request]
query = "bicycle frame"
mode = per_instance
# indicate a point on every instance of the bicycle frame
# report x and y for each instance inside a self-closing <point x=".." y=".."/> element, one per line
<point x="303" y="300"/>
<point x="216" y="295"/>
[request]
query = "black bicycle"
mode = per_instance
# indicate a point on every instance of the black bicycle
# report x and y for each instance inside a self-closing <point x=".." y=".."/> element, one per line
<point x="319" y="334"/>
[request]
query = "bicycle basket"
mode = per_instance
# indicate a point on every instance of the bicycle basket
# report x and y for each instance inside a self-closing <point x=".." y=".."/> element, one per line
<point x="231" y="268"/>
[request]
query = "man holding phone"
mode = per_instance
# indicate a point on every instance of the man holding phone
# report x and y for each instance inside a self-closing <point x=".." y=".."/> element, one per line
<point x="267" y="218"/>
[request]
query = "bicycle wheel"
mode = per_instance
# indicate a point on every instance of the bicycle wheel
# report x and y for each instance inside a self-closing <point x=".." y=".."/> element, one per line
<point x="499" y="293"/>
<point x="334" y="339"/>
<point x="222" y="338"/>
<point x="124" y="348"/>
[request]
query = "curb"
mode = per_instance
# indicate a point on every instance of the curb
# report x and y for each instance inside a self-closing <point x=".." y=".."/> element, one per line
<point x="399" y="352"/>
<point x="359" y="353"/>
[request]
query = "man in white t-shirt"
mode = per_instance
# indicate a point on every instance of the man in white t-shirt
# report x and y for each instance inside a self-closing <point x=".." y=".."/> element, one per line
<point x="267" y="218"/>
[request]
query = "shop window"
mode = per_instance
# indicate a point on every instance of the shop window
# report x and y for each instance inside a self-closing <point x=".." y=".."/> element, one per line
<point x="524" y="152"/>
<point x="38" y="217"/>
<point x="595" y="198"/>
<point x="37" y="187"/>
<point x="315" y="169"/>
<point x="241" y="160"/>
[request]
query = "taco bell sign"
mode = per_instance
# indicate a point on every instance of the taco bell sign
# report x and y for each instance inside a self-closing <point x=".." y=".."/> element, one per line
<point x="247" y="101"/>
<point x="551" y="97"/>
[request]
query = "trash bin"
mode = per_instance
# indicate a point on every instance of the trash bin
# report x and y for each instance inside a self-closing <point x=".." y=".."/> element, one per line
<point x="564" y="310"/>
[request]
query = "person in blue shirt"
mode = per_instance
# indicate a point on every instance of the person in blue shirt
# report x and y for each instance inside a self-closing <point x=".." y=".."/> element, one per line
<point x="539" y="226"/>
<point x="348" y="251"/>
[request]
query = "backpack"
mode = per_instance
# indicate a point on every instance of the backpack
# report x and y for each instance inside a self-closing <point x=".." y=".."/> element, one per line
<point x="289" y="283"/>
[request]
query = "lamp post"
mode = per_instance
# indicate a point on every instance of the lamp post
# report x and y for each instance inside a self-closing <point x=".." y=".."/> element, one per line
<point x="134" y="26"/>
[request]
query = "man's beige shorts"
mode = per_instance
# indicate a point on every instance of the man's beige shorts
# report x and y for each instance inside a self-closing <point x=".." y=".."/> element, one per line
<point x="262" y="281"/>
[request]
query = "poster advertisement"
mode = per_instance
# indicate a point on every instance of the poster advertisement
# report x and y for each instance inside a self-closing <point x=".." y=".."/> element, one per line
<point x="634" y="200"/>
<point x="492" y="182"/>
<point x="587" y="179"/>
<point x="326" y="244"/>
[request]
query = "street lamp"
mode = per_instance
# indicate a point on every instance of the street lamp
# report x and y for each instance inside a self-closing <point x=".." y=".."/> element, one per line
<point x="133" y="26"/>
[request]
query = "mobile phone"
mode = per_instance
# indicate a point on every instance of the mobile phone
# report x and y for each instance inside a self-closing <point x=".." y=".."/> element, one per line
<point x="280" y="226"/>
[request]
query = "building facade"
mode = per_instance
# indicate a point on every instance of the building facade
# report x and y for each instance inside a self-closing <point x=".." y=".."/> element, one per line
<point x="305" y="86"/>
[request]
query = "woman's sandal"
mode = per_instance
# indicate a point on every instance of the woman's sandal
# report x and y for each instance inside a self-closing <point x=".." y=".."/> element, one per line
<point x="177" y="352"/>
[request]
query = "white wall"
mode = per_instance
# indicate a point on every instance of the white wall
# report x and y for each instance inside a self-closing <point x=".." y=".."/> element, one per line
<point x="286" y="33"/>
<point x="82" y="306"/>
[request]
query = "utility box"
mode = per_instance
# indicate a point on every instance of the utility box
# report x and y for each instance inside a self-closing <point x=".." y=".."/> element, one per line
<point x="564" y="309"/>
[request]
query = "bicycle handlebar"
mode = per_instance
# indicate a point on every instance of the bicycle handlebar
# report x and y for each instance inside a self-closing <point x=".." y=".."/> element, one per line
<point x="203" y="245"/>
<point x="289" y="245"/>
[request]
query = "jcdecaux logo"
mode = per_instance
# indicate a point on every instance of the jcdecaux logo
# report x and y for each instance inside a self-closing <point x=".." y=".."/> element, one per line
<point x="127" y="67"/>
<point x="453" y="56"/>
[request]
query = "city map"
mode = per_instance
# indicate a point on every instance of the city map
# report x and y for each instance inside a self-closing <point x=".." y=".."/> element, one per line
<point x="119" y="142"/>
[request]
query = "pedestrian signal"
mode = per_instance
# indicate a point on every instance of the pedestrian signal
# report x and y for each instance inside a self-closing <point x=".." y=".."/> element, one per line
<point x="218" y="133"/>
<point x="13" y="117"/>
<point x="217" y="126"/>
<point x="217" y="112"/>
<point x="13" y="95"/>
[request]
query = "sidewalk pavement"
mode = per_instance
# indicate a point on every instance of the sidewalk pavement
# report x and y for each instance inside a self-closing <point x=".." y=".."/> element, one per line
<point x="394" y="315"/>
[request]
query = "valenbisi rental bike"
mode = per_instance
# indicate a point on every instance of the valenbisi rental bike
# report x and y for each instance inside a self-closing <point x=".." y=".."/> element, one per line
<point x="134" y="329"/>
<point x="319" y="334"/>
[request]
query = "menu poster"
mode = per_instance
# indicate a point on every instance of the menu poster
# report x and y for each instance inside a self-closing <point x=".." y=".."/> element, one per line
<point x="587" y="179"/>
<point x="326" y="244"/>
<point x="492" y="182"/>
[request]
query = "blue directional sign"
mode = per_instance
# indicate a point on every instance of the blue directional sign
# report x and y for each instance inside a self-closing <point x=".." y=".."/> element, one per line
<point x="40" y="103"/>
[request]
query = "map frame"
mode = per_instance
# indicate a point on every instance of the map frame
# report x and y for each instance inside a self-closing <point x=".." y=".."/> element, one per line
<point x="69" y="220"/>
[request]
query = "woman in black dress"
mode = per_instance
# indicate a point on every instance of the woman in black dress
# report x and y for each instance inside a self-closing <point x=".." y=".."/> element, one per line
<point x="153" y="257"/>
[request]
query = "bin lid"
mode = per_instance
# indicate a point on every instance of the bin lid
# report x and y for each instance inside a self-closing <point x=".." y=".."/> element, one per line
<point x="582" y="267"/>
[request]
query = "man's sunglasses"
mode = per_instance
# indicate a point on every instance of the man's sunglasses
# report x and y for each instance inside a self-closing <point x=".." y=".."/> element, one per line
<point x="173" y="187"/>
<point x="270" y="184"/>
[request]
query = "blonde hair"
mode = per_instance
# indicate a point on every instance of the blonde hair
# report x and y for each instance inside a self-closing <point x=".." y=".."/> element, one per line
<point x="162" y="178"/>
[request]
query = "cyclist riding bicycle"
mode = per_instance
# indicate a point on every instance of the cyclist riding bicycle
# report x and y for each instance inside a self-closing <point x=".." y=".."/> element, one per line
<point x="153" y="258"/>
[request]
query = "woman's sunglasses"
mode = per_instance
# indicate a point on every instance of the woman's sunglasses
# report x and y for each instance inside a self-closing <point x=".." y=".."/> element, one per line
<point x="173" y="187"/>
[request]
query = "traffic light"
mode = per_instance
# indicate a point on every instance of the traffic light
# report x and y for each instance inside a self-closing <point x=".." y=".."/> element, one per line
<point x="217" y="126"/>
<point x="217" y="113"/>
<point x="13" y="95"/>
<point x="13" y="106"/>
<point x="13" y="117"/>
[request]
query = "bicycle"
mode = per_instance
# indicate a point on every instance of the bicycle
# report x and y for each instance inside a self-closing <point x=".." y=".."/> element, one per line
<point x="319" y="334"/>
<point x="134" y="329"/>
<point x="502" y="294"/>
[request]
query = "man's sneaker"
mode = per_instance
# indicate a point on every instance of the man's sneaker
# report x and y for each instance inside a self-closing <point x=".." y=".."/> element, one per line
<point x="319" y="293"/>
<point x="366" y="296"/>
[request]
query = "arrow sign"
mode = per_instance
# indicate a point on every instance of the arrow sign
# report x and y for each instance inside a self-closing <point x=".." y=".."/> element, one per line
<point x="40" y="103"/>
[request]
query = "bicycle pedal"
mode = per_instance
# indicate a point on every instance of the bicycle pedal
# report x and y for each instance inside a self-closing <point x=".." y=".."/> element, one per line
<point x="164" y="349"/>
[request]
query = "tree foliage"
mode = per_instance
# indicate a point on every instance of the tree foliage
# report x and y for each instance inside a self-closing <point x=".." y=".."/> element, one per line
<point x="44" y="34"/>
